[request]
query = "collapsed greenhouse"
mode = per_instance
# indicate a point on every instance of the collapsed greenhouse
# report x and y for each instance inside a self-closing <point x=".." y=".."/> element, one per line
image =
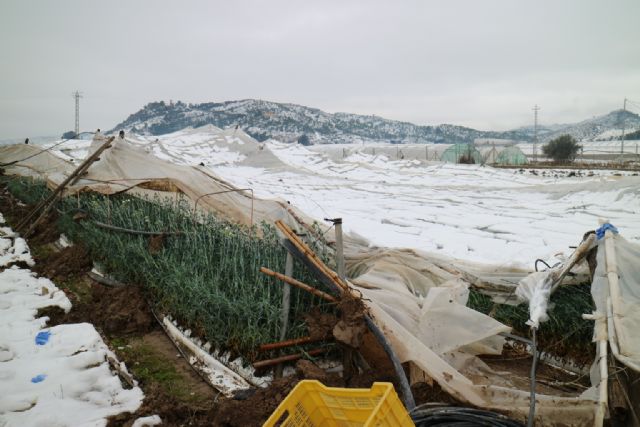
<point x="216" y="239"/>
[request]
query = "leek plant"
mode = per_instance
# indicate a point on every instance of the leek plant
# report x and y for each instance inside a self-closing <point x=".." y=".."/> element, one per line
<point x="207" y="277"/>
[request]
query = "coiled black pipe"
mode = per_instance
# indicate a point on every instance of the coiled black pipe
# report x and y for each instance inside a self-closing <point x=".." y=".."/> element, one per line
<point x="453" y="416"/>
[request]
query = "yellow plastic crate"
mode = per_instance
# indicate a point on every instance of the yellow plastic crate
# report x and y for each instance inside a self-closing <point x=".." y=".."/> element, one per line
<point x="311" y="404"/>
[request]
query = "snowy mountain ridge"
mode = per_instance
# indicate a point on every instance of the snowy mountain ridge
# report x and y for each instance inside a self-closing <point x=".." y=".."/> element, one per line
<point x="290" y="122"/>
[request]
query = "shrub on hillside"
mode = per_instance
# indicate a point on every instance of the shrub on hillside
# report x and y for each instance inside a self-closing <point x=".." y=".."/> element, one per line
<point x="304" y="140"/>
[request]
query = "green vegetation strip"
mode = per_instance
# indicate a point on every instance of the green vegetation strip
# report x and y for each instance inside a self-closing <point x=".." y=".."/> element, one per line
<point x="208" y="278"/>
<point x="566" y="333"/>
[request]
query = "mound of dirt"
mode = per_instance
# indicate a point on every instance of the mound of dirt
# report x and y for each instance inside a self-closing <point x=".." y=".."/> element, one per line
<point x="46" y="231"/>
<point x="113" y="311"/>
<point x="171" y="411"/>
<point x="69" y="263"/>
<point x="319" y="324"/>
<point x="120" y="310"/>
<point x="255" y="410"/>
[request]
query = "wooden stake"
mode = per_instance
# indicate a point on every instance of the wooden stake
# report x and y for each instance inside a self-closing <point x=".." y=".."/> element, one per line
<point x="311" y="256"/>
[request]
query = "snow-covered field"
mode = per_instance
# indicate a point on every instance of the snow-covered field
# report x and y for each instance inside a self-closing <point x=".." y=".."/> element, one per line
<point x="470" y="212"/>
<point x="50" y="376"/>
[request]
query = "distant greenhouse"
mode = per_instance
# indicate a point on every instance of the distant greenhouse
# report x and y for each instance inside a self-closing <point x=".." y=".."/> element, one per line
<point x="461" y="153"/>
<point x="511" y="156"/>
<point x="504" y="156"/>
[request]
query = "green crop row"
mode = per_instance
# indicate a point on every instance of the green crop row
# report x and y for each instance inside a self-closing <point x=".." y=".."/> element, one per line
<point x="207" y="277"/>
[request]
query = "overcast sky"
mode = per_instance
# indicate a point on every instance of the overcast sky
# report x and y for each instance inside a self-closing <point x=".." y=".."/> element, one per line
<point x="478" y="63"/>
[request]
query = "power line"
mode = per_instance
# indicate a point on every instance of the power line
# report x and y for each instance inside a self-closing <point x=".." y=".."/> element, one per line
<point x="624" y="110"/>
<point x="77" y="95"/>
<point x="634" y="103"/>
<point x="535" y="133"/>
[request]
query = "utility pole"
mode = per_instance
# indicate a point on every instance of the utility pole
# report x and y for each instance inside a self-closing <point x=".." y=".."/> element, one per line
<point x="535" y="133"/>
<point x="624" y="110"/>
<point x="77" y="95"/>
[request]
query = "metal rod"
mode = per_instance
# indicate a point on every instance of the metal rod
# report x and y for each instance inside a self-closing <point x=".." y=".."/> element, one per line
<point x="288" y="358"/>
<point x="44" y="207"/>
<point x="288" y="343"/>
<point x="139" y="232"/>
<point x="286" y="305"/>
<point x="234" y="190"/>
<point x="290" y="280"/>
<point x="339" y="248"/>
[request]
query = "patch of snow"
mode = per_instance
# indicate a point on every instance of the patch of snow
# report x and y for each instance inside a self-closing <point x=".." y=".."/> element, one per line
<point x="54" y="376"/>
<point x="150" y="421"/>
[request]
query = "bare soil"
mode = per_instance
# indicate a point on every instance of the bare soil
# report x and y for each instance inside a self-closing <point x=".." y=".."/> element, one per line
<point x="549" y="379"/>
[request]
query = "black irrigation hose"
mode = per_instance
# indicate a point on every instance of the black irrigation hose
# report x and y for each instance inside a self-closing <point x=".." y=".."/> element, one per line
<point x="405" y="388"/>
<point x="137" y="232"/>
<point x="460" y="417"/>
<point x="542" y="261"/>
<point x="534" y="364"/>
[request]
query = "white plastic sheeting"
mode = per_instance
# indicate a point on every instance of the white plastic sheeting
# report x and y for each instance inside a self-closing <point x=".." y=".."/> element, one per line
<point x="616" y="292"/>
<point x="420" y="305"/>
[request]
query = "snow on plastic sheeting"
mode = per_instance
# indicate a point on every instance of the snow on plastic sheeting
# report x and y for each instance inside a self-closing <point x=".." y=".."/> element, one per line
<point x="53" y="376"/>
<point x="468" y="212"/>
<point x="497" y="217"/>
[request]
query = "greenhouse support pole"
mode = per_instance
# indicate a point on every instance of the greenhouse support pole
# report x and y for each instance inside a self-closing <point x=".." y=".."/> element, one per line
<point x="286" y="303"/>
<point x="339" y="248"/>
<point x="348" y="355"/>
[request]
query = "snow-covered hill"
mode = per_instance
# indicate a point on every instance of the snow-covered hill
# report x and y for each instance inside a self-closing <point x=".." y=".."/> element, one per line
<point x="289" y="122"/>
<point x="601" y="128"/>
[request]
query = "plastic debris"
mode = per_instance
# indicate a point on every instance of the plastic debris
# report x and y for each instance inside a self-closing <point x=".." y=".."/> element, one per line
<point x="38" y="378"/>
<point x="603" y="229"/>
<point x="43" y="337"/>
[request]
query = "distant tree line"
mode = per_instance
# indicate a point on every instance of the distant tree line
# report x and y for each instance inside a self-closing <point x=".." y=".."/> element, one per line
<point x="633" y="135"/>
